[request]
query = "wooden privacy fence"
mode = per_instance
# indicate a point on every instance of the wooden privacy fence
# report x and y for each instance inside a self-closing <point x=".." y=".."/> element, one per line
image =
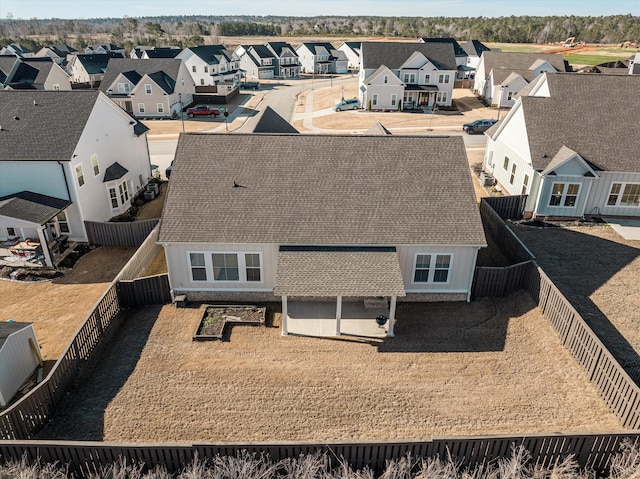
<point x="498" y="281"/>
<point x="142" y="258"/>
<point x="28" y="415"/>
<point x="126" y="234"/>
<point x="85" y="458"/>
<point x="494" y="226"/>
<point x="144" y="291"/>
<point x="507" y="207"/>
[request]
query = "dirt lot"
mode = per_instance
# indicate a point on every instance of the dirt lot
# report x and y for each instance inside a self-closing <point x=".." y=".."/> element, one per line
<point x="487" y="367"/>
<point x="598" y="272"/>
<point x="59" y="306"/>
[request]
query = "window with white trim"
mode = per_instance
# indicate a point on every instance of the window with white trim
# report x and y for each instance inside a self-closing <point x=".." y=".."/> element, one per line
<point x="113" y="197"/>
<point x="427" y="79"/>
<point x="193" y="68"/>
<point x="374" y="99"/>
<point x="11" y="232"/>
<point x="94" y="165"/>
<point x="63" y="223"/>
<point x="513" y="173"/>
<point x="124" y="192"/>
<point x="509" y="95"/>
<point x="141" y="107"/>
<point x="201" y="81"/>
<point x="409" y="77"/>
<point x="206" y="69"/>
<point x="198" y="267"/>
<point x="505" y="165"/>
<point x="147" y="88"/>
<point x="225" y="267"/>
<point x="624" y="194"/>
<point x="394" y="100"/>
<point x="56" y="86"/>
<point x="79" y="175"/>
<point x="386" y="79"/>
<point x="443" y="78"/>
<point x="124" y="88"/>
<point x="525" y="183"/>
<point x="432" y="268"/>
<point x="564" y="194"/>
<point x="160" y="107"/>
<point x="442" y="97"/>
<point x="252" y="267"/>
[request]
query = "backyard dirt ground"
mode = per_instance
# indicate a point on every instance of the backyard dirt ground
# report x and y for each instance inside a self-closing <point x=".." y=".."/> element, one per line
<point x="598" y="271"/>
<point x="493" y="366"/>
<point x="58" y="307"/>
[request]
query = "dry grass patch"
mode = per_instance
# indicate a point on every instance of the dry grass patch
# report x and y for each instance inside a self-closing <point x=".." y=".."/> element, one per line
<point x="329" y="96"/>
<point x="487" y="367"/>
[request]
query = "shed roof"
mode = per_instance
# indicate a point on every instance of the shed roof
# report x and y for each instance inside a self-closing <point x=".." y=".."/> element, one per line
<point x="8" y="328"/>
<point x="31" y="207"/>
<point x="321" y="189"/>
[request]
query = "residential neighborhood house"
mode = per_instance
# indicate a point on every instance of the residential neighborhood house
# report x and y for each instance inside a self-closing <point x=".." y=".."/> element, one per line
<point x="32" y="73"/>
<point x="257" y="61"/>
<point x="345" y="218"/>
<point x="108" y="48"/>
<point x="147" y="52"/>
<point x="153" y="88"/>
<point x="501" y="75"/>
<point x="321" y="58"/>
<point x="474" y="50"/>
<point x="398" y="76"/>
<point x="462" y="71"/>
<point x="287" y="63"/>
<point x="574" y="157"/>
<point x="17" y="50"/>
<point x="212" y="65"/>
<point x="352" y="51"/>
<point x="58" y="53"/>
<point x="65" y="158"/>
<point x="88" y="69"/>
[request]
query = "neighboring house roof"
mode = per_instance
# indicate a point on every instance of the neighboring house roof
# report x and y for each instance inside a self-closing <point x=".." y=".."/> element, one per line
<point x="94" y="63"/>
<point x="338" y="271"/>
<point x="114" y="171"/>
<point x="133" y="76"/>
<point x="353" y="45"/>
<point x="261" y="50"/>
<point x="457" y="49"/>
<point x="31" y="207"/>
<point x="279" y="46"/>
<point x="164" y="71"/>
<point x="321" y="190"/>
<point x="474" y="47"/>
<point x="314" y="46"/>
<point x="520" y="61"/>
<point x="44" y="125"/>
<point x="269" y="121"/>
<point x="570" y="117"/>
<point x="504" y="77"/>
<point x="31" y="71"/>
<point x="394" y="54"/>
<point x="377" y="129"/>
<point x="61" y="50"/>
<point x="163" y="52"/>
<point x="211" y="54"/>
<point x="16" y="49"/>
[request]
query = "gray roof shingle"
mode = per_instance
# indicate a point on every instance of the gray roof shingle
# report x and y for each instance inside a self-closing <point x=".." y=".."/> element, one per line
<point x="321" y="190"/>
<point x="43" y="125"/>
<point x="268" y="121"/>
<point x="170" y="67"/>
<point x="604" y="132"/>
<point x="474" y="47"/>
<point x="394" y="54"/>
<point x="32" y="207"/>
<point x="115" y="171"/>
<point x="494" y="60"/>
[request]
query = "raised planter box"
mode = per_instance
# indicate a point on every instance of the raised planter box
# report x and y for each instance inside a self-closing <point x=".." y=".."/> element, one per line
<point x="215" y="319"/>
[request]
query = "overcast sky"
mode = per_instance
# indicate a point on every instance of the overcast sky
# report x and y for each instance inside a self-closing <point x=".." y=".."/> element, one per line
<point x="26" y="9"/>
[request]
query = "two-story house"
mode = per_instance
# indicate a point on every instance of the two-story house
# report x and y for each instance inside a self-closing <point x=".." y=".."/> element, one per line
<point x="153" y="88"/>
<point x="66" y="157"/>
<point x="574" y="157"/>
<point x="89" y="69"/>
<point x="257" y="61"/>
<point x="395" y="76"/>
<point x="287" y="64"/>
<point x="321" y="58"/>
<point x="58" y="53"/>
<point x="32" y="73"/>
<point x="352" y="51"/>
<point x="17" y="50"/>
<point x="211" y="65"/>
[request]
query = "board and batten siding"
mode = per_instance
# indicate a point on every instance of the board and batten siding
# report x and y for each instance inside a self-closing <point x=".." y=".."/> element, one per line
<point x="463" y="262"/>
<point x="597" y="202"/>
<point x="17" y="362"/>
<point x="177" y="255"/>
<point x="544" y="209"/>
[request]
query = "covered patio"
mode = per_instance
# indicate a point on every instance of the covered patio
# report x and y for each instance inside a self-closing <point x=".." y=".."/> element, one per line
<point x="310" y="277"/>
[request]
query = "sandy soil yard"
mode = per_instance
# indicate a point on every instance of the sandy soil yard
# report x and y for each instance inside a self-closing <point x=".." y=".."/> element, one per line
<point x="493" y="366"/>
<point x="598" y="272"/>
<point x="57" y="307"/>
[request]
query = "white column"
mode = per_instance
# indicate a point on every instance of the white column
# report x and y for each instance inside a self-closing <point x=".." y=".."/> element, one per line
<point x="338" y="314"/>
<point x="45" y="247"/>
<point x="284" y="316"/>
<point x="392" y="316"/>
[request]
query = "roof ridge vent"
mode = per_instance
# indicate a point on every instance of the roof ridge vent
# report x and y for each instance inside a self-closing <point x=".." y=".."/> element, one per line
<point x="34" y="102"/>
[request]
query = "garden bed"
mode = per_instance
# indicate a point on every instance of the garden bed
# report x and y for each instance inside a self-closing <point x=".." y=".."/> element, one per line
<point x="216" y="318"/>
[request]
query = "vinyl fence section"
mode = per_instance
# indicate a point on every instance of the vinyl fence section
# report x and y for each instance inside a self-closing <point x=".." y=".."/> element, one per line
<point x="125" y="234"/>
<point x="85" y="458"/>
<point x="499" y="281"/>
<point x="28" y="415"/>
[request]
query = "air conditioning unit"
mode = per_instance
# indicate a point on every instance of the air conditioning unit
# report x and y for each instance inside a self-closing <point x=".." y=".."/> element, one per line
<point x="149" y="195"/>
<point x="486" y="179"/>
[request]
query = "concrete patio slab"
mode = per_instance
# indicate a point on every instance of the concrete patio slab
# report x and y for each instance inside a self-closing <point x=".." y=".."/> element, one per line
<point x="628" y="228"/>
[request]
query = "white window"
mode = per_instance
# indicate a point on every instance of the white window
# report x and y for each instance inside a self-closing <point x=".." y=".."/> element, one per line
<point x="79" y="175"/>
<point x="124" y="88"/>
<point x="624" y="194"/>
<point x="442" y="97"/>
<point x="427" y="79"/>
<point x="141" y="107"/>
<point x="160" y="107"/>
<point x="564" y="194"/>
<point x="525" y="183"/>
<point x="147" y="88"/>
<point x="394" y="100"/>
<point x="198" y="267"/>
<point x="63" y="223"/>
<point x="201" y="81"/>
<point x="225" y="267"/>
<point x="505" y="165"/>
<point x="193" y="68"/>
<point x="11" y="232"/>
<point x="509" y="95"/>
<point x="113" y="196"/>
<point x="124" y="192"/>
<point x="432" y="268"/>
<point x="409" y="77"/>
<point x="206" y="69"/>
<point x="94" y="164"/>
<point x="252" y="267"/>
<point x="513" y="173"/>
<point x="374" y="100"/>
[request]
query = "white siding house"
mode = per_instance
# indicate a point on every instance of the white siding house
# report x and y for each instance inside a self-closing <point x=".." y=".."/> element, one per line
<point x="211" y="65"/>
<point x="551" y="147"/>
<point x="90" y="173"/>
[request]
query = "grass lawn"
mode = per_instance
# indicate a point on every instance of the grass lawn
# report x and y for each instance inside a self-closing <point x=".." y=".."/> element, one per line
<point x="588" y="59"/>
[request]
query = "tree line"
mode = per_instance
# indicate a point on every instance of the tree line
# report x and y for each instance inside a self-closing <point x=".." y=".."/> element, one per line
<point x="189" y="30"/>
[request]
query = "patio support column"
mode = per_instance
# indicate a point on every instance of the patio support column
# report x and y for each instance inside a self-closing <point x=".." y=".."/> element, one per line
<point x="45" y="247"/>
<point x="392" y="316"/>
<point x="285" y="331"/>
<point x="338" y="314"/>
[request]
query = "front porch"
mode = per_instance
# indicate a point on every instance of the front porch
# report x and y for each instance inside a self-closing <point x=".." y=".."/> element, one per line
<point x="358" y="318"/>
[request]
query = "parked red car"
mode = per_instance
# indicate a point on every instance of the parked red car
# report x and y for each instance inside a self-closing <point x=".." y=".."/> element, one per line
<point x="202" y="110"/>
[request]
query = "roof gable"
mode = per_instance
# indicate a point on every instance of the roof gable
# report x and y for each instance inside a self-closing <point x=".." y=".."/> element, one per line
<point x="269" y="121"/>
<point x="394" y="54"/>
<point x="168" y="67"/>
<point x="379" y="75"/>
<point x="458" y="51"/>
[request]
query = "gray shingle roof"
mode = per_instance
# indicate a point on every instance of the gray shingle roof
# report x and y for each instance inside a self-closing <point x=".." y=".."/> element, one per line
<point x="394" y="54"/>
<point x="94" y="63"/>
<point x="278" y="46"/>
<point x="457" y="49"/>
<point x="520" y="61"/>
<point x="115" y="171"/>
<point x="377" y="129"/>
<point x="32" y="207"/>
<point x="339" y="272"/>
<point x="212" y="54"/>
<point x="169" y="66"/>
<point x="603" y="132"/>
<point x="268" y="121"/>
<point x="328" y="190"/>
<point x="474" y="47"/>
<point x="48" y="130"/>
